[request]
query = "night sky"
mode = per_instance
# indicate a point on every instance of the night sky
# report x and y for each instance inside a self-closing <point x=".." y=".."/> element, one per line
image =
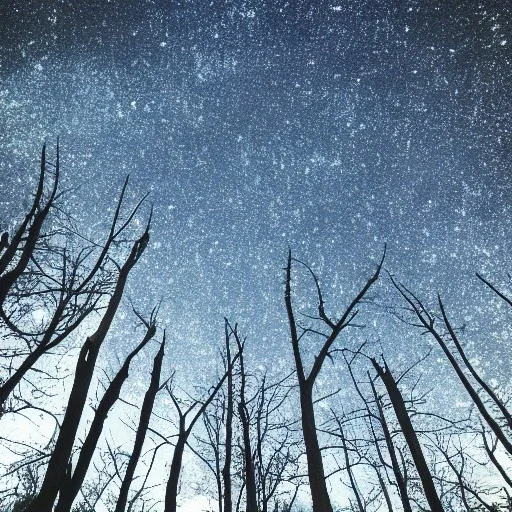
<point x="330" y="127"/>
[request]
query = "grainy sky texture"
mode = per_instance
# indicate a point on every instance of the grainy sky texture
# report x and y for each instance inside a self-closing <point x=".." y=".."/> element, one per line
<point x="327" y="126"/>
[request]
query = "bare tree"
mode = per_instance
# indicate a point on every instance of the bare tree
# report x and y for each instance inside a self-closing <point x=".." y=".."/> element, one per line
<point x="410" y="436"/>
<point x="215" y="444"/>
<point x="74" y="481"/>
<point x="226" y="469"/>
<point x="251" y="503"/>
<point x="58" y="464"/>
<point x="145" y="416"/>
<point x="390" y="451"/>
<point x="68" y="289"/>
<point x="380" y="419"/>
<point x="427" y="322"/>
<point x="19" y="251"/>
<point x="171" y="492"/>
<point x="316" y="473"/>
<point x="400" y="476"/>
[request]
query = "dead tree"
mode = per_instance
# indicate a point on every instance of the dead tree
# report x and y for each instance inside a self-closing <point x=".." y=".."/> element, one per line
<point x="400" y="477"/>
<point x="171" y="491"/>
<point x="427" y="322"/>
<point x="18" y="252"/>
<point x="73" y="483"/>
<point x="58" y="464"/>
<point x="145" y="416"/>
<point x="77" y="288"/>
<point x="380" y="418"/>
<point x="226" y="469"/>
<point x="316" y="473"/>
<point x="251" y="503"/>
<point x="410" y="436"/>
<point x="215" y="448"/>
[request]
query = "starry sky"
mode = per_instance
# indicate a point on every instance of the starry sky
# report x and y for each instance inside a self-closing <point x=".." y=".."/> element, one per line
<point x="327" y="126"/>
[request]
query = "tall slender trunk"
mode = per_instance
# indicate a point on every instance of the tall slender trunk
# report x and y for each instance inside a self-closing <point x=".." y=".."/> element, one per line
<point x="226" y="469"/>
<point x="351" y="476"/>
<point x="262" y="489"/>
<point x="171" y="491"/>
<point x="145" y="416"/>
<point x="316" y="474"/>
<point x="251" y="500"/>
<point x="69" y="491"/>
<point x="400" y="480"/>
<point x="251" y="504"/>
<point x="410" y="436"/>
<point x="385" y="491"/>
<point x="59" y="460"/>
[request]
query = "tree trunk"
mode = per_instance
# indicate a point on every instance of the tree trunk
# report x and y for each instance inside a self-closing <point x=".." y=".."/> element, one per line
<point x="69" y="491"/>
<point x="384" y="490"/>
<point x="145" y="415"/>
<point x="316" y="475"/>
<point x="400" y="481"/>
<point x="171" y="492"/>
<point x="86" y="363"/>
<point x="351" y="476"/>
<point x="410" y="436"/>
<point x="251" y="500"/>
<point x="251" y="504"/>
<point x="226" y="470"/>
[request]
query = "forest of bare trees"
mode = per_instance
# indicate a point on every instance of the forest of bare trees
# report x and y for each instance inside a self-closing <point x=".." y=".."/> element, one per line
<point x="251" y="440"/>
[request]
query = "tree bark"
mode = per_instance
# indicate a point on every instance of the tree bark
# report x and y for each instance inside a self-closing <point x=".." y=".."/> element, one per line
<point x="171" y="491"/>
<point x="251" y="501"/>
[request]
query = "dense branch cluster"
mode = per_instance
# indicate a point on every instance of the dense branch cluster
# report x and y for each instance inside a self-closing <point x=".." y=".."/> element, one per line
<point x="258" y="442"/>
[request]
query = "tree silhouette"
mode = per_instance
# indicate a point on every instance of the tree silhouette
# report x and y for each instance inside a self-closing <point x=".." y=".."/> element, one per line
<point x="379" y="434"/>
<point x="316" y="473"/>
